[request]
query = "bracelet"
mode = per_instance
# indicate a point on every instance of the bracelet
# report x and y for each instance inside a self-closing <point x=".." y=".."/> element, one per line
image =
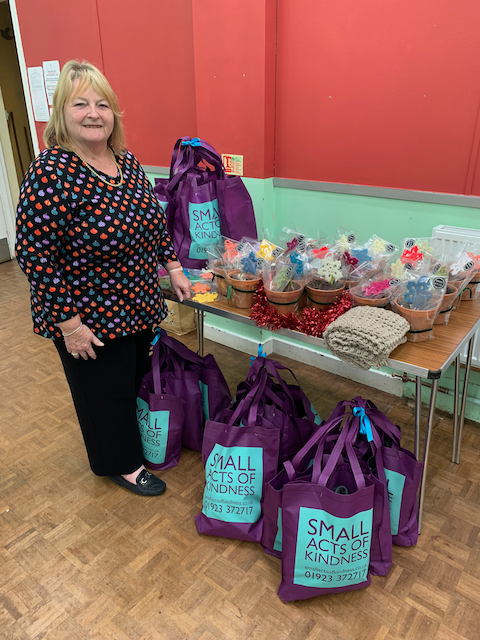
<point x="176" y="269"/>
<point x="66" y="335"/>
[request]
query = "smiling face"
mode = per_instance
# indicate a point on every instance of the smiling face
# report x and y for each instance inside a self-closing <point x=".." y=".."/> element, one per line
<point x="89" y="119"/>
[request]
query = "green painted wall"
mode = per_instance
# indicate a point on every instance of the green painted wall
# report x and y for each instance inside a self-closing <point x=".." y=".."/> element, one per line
<point x="319" y="214"/>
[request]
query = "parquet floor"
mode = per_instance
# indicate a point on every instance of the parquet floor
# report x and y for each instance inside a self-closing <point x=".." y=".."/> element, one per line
<point x="81" y="558"/>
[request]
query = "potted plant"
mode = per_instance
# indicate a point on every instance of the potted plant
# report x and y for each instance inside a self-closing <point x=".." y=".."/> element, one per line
<point x="419" y="304"/>
<point x="283" y="291"/>
<point x="242" y="283"/>
<point x="462" y="271"/>
<point x="446" y="306"/>
<point x="221" y="261"/>
<point x="372" y="293"/>
<point x="327" y="288"/>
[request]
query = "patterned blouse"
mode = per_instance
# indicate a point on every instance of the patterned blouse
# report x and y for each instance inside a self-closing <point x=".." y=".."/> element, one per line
<point x="91" y="248"/>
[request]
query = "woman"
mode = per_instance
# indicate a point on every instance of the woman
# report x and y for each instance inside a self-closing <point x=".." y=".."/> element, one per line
<point x="90" y="237"/>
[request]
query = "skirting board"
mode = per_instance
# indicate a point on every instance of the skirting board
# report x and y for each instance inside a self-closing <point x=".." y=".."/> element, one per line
<point x="325" y="361"/>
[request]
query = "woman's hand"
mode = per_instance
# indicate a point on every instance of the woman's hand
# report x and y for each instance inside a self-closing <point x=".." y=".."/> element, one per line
<point x="180" y="284"/>
<point x="79" y="340"/>
<point x="82" y="342"/>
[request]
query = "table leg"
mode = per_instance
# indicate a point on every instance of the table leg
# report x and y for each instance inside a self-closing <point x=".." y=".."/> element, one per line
<point x="456" y="396"/>
<point x="426" y="450"/>
<point x="468" y="366"/>
<point x="418" y="414"/>
<point x="200" y="329"/>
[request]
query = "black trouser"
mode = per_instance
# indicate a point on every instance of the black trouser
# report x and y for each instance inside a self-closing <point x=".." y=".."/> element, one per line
<point x="104" y="393"/>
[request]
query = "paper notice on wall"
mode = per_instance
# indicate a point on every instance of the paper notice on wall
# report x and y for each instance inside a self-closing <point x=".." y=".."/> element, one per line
<point x="37" y="92"/>
<point x="51" y="71"/>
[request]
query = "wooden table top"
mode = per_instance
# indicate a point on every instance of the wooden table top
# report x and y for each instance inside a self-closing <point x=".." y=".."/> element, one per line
<point x="428" y="359"/>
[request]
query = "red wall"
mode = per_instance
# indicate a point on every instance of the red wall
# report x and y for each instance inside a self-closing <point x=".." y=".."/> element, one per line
<point x="51" y="30"/>
<point x="235" y="79"/>
<point x="144" y="48"/>
<point x="376" y="93"/>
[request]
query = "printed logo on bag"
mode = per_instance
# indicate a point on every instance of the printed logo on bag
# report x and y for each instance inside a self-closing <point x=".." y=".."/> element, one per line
<point x="153" y="426"/>
<point x="277" y="545"/>
<point x="261" y="262"/>
<point x="436" y="268"/>
<point x="204" y="227"/>
<point x="302" y="246"/>
<point x="351" y="238"/>
<point x="394" y="282"/>
<point x="408" y="265"/>
<point x="395" y="484"/>
<point x="390" y="248"/>
<point x="300" y="237"/>
<point x="276" y="252"/>
<point x="233" y="484"/>
<point x="439" y="283"/>
<point x="410" y="243"/>
<point x="468" y="266"/>
<point x="332" y="551"/>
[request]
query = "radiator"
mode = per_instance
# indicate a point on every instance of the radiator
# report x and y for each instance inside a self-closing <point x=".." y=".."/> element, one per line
<point x="453" y="239"/>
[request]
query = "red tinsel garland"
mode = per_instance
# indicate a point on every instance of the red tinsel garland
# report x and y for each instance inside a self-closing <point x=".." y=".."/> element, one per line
<point x="311" y="322"/>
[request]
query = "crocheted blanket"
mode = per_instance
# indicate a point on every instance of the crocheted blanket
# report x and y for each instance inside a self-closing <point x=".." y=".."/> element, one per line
<point x="365" y="336"/>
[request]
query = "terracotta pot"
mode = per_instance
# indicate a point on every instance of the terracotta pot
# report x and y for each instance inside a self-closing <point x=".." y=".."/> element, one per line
<point x="285" y="301"/>
<point x="323" y="298"/>
<point x="240" y="292"/>
<point x="456" y="282"/>
<point x="220" y="274"/>
<point x="472" y="291"/>
<point x="420" y="320"/>
<point x="446" y="305"/>
<point x="302" y="303"/>
<point x="370" y="302"/>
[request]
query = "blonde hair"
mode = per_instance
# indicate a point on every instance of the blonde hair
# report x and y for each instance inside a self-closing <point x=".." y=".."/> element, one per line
<point x="88" y="75"/>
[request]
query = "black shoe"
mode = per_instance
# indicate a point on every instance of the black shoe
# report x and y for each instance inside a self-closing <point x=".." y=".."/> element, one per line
<point x="146" y="484"/>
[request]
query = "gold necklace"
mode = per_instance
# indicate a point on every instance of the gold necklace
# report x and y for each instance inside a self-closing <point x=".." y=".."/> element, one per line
<point x="112" y="184"/>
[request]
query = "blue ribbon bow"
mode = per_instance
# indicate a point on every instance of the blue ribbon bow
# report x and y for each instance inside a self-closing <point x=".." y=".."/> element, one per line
<point x="194" y="142"/>
<point x="261" y="354"/>
<point x="365" y="424"/>
<point x="158" y="334"/>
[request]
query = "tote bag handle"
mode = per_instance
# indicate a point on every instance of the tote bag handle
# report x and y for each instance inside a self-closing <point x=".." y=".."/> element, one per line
<point x="159" y="361"/>
<point x="250" y="402"/>
<point x="344" y="442"/>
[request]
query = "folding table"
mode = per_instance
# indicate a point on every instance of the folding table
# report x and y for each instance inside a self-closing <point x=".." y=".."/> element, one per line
<point x="429" y="359"/>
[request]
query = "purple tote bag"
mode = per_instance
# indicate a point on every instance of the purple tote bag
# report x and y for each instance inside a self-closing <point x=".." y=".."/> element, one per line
<point x="186" y="386"/>
<point x="299" y="468"/>
<point x="284" y="405"/>
<point x="372" y="466"/>
<point x="215" y="392"/>
<point x="160" y="419"/>
<point x="327" y="535"/>
<point x="202" y="202"/>
<point x="238" y="461"/>
<point x="403" y="474"/>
